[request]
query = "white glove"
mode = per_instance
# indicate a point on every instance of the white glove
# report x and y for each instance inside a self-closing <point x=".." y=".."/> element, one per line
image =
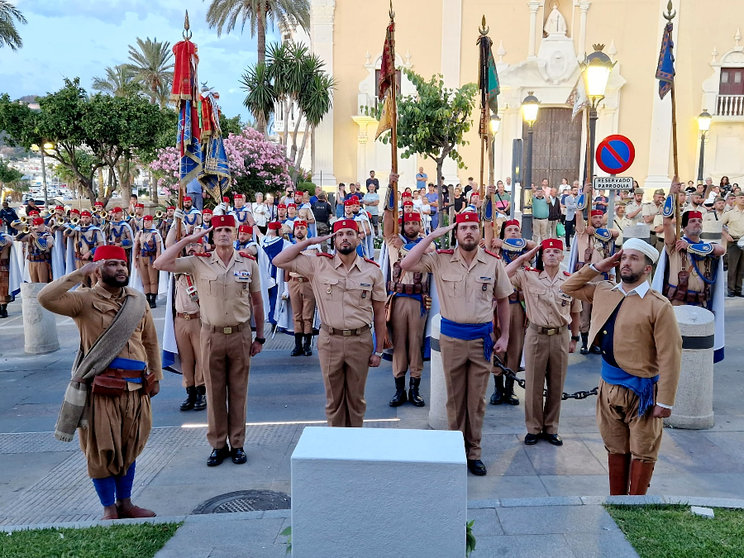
<point x="178" y="214"/>
<point x="285" y="295"/>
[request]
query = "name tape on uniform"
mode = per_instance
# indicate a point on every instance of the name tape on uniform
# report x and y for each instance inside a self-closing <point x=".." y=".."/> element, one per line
<point x="612" y="183"/>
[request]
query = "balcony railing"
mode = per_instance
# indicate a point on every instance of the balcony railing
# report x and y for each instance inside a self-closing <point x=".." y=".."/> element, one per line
<point x="730" y="105"/>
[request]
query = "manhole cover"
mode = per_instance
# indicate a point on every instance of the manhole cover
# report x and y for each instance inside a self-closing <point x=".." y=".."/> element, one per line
<point x="245" y="501"/>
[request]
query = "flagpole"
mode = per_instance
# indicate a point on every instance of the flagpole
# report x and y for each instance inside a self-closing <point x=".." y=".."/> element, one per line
<point x="186" y="36"/>
<point x="669" y="16"/>
<point x="394" y="129"/>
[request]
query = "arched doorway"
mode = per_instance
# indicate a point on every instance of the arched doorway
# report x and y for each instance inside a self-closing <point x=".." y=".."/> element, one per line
<point x="556" y="146"/>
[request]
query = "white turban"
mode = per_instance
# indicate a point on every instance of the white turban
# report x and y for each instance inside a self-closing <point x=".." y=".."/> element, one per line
<point x="643" y="247"/>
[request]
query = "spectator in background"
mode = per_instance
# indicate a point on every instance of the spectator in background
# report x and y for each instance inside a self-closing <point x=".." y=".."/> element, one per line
<point x="601" y="202"/>
<point x="8" y="215"/>
<point x="554" y="213"/>
<point x="339" y="201"/>
<point x="421" y="178"/>
<point x="569" y="203"/>
<point x="371" y="203"/>
<point x="564" y="187"/>
<point x="432" y="197"/>
<point x="314" y="197"/>
<point x="372" y="180"/>
<point x="725" y="185"/>
<point x="323" y="211"/>
<point x="261" y="212"/>
<point x="459" y="200"/>
<point x="196" y="191"/>
<point x="503" y="198"/>
<point x="353" y="192"/>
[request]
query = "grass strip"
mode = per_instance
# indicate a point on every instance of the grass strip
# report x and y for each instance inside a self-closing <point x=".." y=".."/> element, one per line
<point x="140" y="540"/>
<point x="672" y="531"/>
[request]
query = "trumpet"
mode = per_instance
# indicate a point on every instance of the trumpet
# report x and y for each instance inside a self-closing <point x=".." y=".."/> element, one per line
<point x="26" y="229"/>
<point x="74" y="221"/>
<point x="158" y="214"/>
<point x="132" y="214"/>
<point x="23" y="219"/>
<point x="101" y="213"/>
<point x="59" y="222"/>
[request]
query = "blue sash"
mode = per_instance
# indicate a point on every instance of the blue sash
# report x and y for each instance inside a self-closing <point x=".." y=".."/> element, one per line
<point x="129" y="364"/>
<point x="642" y="387"/>
<point x="468" y="332"/>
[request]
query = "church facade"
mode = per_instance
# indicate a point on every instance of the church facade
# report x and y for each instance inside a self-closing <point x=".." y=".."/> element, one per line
<point x="538" y="46"/>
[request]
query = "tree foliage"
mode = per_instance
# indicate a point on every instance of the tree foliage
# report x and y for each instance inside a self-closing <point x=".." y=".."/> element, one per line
<point x="119" y="81"/>
<point x="9" y="17"/>
<point x="152" y="67"/>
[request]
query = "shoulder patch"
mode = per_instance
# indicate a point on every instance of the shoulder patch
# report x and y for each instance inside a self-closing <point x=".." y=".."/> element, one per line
<point x="567" y="274"/>
<point x="247" y="255"/>
<point x="532" y="269"/>
<point x="450" y="251"/>
<point x="203" y="254"/>
<point x="372" y="262"/>
<point x="323" y="254"/>
<point x="492" y="254"/>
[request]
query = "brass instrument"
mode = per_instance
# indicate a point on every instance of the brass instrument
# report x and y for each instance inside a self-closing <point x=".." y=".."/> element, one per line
<point x="158" y="214"/>
<point x="60" y="221"/>
<point x="74" y="221"/>
<point x="23" y="219"/>
<point x="44" y="213"/>
<point x="101" y="213"/>
<point x="132" y="214"/>
<point x="26" y="230"/>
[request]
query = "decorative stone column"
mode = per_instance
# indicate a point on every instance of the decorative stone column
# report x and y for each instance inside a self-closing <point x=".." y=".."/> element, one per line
<point x="584" y="8"/>
<point x="39" y="325"/>
<point x="321" y="33"/>
<point x="534" y="6"/>
<point x="438" y="395"/>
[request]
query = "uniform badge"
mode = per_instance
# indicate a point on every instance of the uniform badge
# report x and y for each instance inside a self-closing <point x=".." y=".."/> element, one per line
<point x="242" y="276"/>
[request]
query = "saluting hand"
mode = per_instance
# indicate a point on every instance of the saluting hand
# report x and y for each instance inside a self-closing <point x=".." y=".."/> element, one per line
<point x="441" y="231"/>
<point x="608" y="263"/>
<point x="320" y="239"/>
<point x="91" y="267"/>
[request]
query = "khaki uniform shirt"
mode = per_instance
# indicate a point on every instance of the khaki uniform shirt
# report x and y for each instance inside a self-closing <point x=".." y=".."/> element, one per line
<point x="632" y="206"/>
<point x="93" y="310"/>
<point x="224" y="290"/>
<point x="184" y="304"/>
<point x="584" y="239"/>
<point x="734" y="219"/>
<point x="675" y="263"/>
<point x="466" y="293"/>
<point x="343" y="296"/>
<point x="650" y="209"/>
<point x="545" y="303"/>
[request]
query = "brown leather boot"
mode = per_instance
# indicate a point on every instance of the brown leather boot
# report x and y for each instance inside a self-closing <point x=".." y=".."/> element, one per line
<point x="619" y="469"/>
<point x="127" y="510"/>
<point x="640" y="476"/>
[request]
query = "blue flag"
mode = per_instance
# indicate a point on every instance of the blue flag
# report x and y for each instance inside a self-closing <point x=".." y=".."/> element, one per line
<point x="665" y="68"/>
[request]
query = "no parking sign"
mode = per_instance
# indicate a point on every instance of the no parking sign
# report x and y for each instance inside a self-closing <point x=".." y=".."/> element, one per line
<point x="615" y="154"/>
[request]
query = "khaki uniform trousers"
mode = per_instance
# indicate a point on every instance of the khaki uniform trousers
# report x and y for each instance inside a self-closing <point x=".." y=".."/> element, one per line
<point x="303" y="305"/>
<point x="188" y="334"/>
<point x="735" y="267"/>
<point x="540" y="230"/>
<point x="226" y="364"/>
<point x="407" y="324"/>
<point x="148" y="274"/>
<point x="513" y="356"/>
<point x="466" y="374"/>
<point x="545" y="363"/>
<point x="39" y="271"/>
<point x="4" y="280"/>
<point x="344" y="362"/>
<point x="622" y="430"/>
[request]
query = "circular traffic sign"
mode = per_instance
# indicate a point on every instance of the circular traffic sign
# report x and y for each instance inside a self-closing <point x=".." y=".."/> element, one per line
<point x="615" y="154"/>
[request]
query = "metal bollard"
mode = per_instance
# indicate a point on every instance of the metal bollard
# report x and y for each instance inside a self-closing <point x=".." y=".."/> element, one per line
<point x="438" y="397"/>
<point x="39" y="325"/>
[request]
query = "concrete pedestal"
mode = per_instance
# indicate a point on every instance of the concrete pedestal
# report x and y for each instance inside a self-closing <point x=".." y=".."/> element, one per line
<point x="641" y="230"/>
<point x="438" y="396"/>
<point x="364" y="492"/>
<point x="693" y="407"/>
<point x="39" y="325"/>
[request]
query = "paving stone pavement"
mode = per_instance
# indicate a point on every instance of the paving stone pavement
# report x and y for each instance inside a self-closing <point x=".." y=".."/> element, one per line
<point x="533" y="500"/>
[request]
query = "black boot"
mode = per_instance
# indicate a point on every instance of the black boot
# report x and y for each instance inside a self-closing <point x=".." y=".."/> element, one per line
<point x="188" y="403"/>
<point x="498" y="393"/>
<point x="584" y="341"/>
<point x="297" y="351"/>
<point x="413" y="393"/>
<point x="509" y="396"/>
<point x="400" y="392"/>
<point x="3" y="310"/>
<point x="306" y="348"/>
<point x="200" y="403"/>
<point x="154" y="303"/>
<point x="150" y="300"/>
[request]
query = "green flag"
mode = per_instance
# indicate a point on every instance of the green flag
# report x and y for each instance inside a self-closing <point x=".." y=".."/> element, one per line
<point x="493" y="84"/>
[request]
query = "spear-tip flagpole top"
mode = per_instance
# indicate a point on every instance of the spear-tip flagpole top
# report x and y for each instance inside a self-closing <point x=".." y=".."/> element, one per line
<point x="391" y="12"/>
<point x="483" y="29"/>
<point x="186" y="27"/>
<point x="670" y="13"/>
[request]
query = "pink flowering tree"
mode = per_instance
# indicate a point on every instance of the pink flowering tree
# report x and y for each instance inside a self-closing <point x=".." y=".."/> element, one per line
<point x="256" y="165"/>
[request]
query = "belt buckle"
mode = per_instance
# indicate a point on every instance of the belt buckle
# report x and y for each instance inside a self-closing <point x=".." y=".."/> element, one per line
<point x="227" y="330"/>
<point x="187" y="316"/>
<point x="550" y="330"/>
<point x="347" y="332"/>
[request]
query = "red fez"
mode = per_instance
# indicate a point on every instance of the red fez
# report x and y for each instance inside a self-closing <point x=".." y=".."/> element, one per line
<point x="407" y="204"/>
<point x="187" y="198"/>
<point x="238" y="197"/>
<point x="412" y="218"/>
<point x="207" y="211"/>
<point x="223" y="221"/>
<point x="552" y="243"/>
<point x="345" y="224"/>
<point x="596" y="212"/>
<point x="118" y="210"/>
<point x="62" y="207"/>
<point x="98" y="203"/>
<point x="281" y="206"/>
<point x="511" y="223"/>
<point x="245" y="229"/>
<point x="84" y="213"/>
<point x="467" y="217"/>
<point x="352" y="201"/>
<point x="694" y="215"/>
<point x="139" y="205"/>
<point x="171" y="207"/>
<point x="291" y="205"/>
<point x="147" y="218"/>
<point x="406" y="195"/>
<point x="37" y="221"/>
<point x="225" y="199"/>
<point x="32" y="213"/>
<point x="109" y="252"/>
<point x="76" y="211"/>
<point x="300" y="223"/>
<point x="275" y="225"/>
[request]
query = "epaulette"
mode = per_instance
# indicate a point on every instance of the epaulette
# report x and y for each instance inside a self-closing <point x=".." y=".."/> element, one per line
<point x="532" y="269"/>
<point x="567" y="274"/>
<point x="203" y="254"/>
<point x="492" y="254"/>
<point x="372" y="262"/>
<point x="247" y="255"/>
<point x="324" y="254"/>
<point x="450" y="251"/>
<point x="701" y="248"/>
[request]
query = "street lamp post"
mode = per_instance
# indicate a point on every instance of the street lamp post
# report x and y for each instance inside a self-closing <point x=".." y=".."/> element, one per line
<point x="530" y="108"/>
<point x="494" y="126"/>
<point x="41" y="150"/>
<point x="595" y="71"/>
<point x="703" y="120"/>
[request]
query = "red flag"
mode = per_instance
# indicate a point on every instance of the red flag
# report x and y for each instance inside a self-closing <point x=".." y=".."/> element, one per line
<point x="387" y="69"/>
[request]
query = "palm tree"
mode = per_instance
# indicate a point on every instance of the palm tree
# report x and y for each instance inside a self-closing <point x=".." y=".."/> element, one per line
<point x="152" y="64"/>
<point x="119" y="81"/>
<point x="8" y="32"/>
<point x="224" y="15"/>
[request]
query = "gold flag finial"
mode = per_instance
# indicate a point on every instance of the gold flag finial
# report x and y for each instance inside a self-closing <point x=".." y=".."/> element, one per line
<point x="483" y="29"/>
<point x="186" y="27"/>
<point x="598" y="47"/>
<point x="392" y="13"/>
<point x="669" y="16"/>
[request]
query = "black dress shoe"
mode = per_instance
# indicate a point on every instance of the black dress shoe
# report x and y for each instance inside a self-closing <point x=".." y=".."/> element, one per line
<point x="597" y="350"/>
<point x="238" y="456"/>
<point x="531" y="439"/>
<point x="584" y="351"/>
<point x="553" y="439"/>
<point x="731" y="294"/>
<point x="476" y="467"/>
<point x="218" y="456"/>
